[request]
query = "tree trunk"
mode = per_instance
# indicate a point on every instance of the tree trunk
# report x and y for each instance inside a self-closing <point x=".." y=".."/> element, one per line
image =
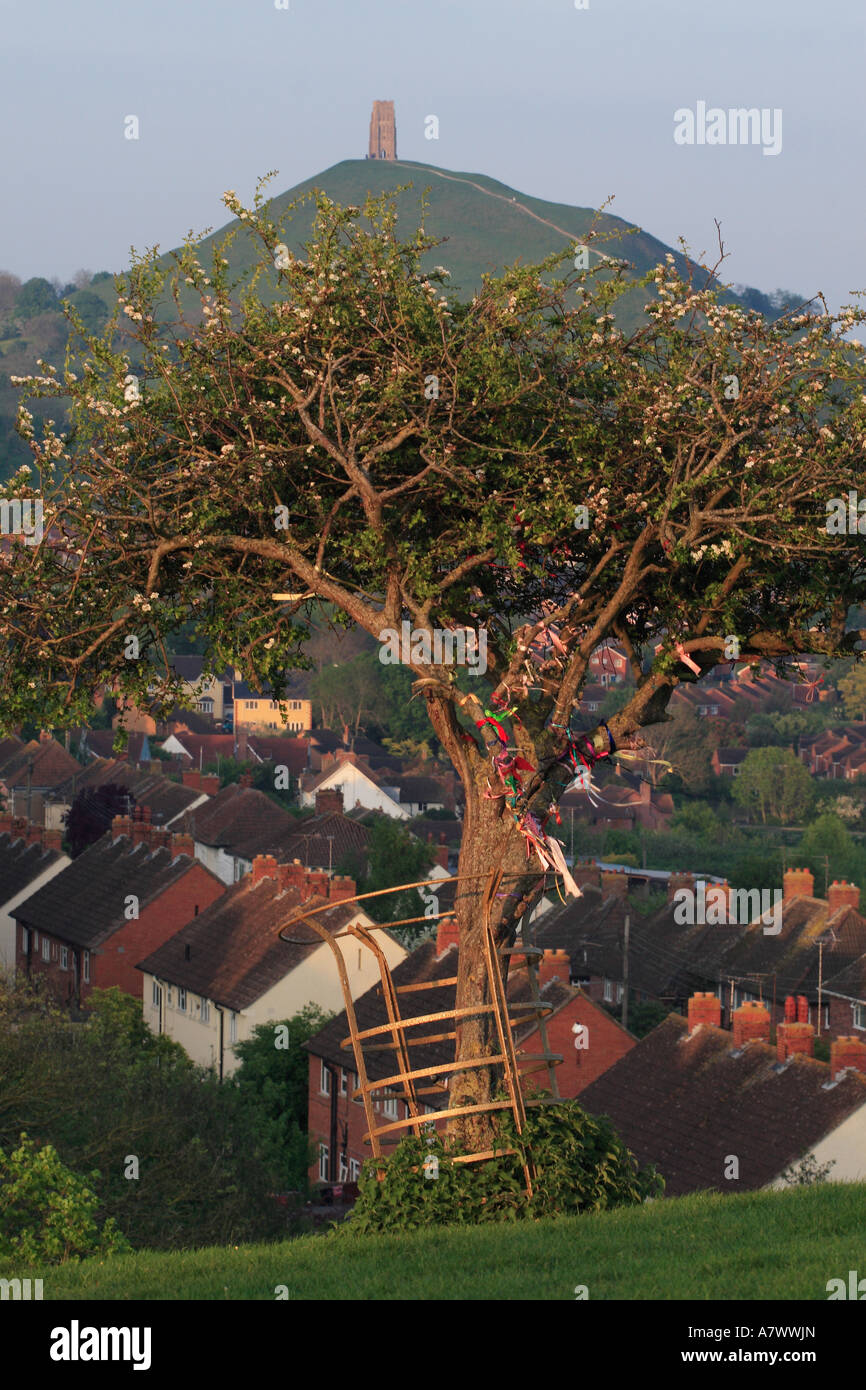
<point x="490" y="841"/>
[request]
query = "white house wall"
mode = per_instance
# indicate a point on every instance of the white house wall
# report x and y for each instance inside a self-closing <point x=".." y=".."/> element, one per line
<point x="7" y="926"/>
<point x="846" y="1144"/>
<point x="315" y="981"/>
<point x="357" y="787"/>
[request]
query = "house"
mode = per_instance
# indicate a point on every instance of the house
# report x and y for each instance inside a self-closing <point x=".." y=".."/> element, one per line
<point x="30" y="772"/>
<point x="242" y="962"/>
<point x="257" y="711"/>
<point x="29" y="858"/>
<point x="726" y="762"/>
<point x="321" y="841"/>
<point x="213" y="694"/>
<point x="166" y="801"/>
<point x="233" y="826"/>
<point x="817" y="940"/>
<point x="608" y="664"/>
<point x="358" y="786"/>
<point x="419" y="795"/>
<point x="124" y="896"/>
<point x="616" y="805"/>
<point x="715" y="1110"/>
<point x="587" y="1038"/>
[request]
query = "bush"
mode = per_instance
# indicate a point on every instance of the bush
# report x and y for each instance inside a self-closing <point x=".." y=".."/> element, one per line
<point x="47" y="1212"/>
<point x="580" y="1165"/>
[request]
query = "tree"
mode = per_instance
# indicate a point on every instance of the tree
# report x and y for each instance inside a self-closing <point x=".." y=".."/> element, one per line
<point x="852" y="688"/>
<point x="393" y="855"/>
<point x="93" y="310"/>
<point x="275" y="1071"/>
<point x="91" y="813"/>
<point x="774" y="781"/>
<point x="36" y="296"/>
<point x="10" y="287"/>
<point x="48" y="1213"/>
<point x="338" y="431"/>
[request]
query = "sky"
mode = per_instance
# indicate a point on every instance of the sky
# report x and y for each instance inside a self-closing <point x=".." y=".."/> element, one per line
<point x="565" y="103"/>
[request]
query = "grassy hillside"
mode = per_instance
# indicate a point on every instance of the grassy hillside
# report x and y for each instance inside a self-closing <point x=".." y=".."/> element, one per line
<point x="488" y="225"/>
<point x="767" y="1245"/>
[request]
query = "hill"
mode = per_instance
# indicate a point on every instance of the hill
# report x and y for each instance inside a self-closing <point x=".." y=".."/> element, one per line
<point x="487" y="224"/>
<point x="762" y="1245"/>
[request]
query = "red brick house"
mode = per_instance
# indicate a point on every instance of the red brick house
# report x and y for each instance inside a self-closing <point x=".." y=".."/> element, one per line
<point x="118" y="901"/>
<point x="732" y="1113"/>
<point x="586" y="1036"/>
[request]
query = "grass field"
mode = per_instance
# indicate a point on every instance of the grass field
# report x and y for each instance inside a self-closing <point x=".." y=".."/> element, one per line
<point x="767" y="1245"/>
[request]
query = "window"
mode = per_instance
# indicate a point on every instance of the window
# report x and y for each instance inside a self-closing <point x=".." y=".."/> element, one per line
<point x="735" y="771"/>
<point x="608" y="991"/>
<point x="85" y="968"/>
<point x="344" y="1168"/>
<point x="391" y="1108"/>
<point x="858" y="1015"/>
<point x="323" y="1162"/>
<point x="233" y="1027"/>
<point x="168" y="996"/>
<point x="25" y="939"/>
<point x="343" y="1080"/>
<point x="181" y="999"/>
<point x="46" y="948"/>
<point x="36" y="941"/>
<point x="156" y="994"/>
<point x="354" y="1169"/>
<point x="64" y="958"/>
<point x="206" y="706"/>
<point x="325" y="1080"/>
<point x="619" y="994"/>
<point x="205" y="1011"/>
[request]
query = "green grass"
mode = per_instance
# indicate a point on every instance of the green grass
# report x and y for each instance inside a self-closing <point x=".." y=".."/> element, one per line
<point x="765" y="1245"/>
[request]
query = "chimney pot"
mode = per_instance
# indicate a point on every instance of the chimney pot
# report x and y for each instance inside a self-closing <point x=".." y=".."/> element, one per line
<point x="705" y="1008"/>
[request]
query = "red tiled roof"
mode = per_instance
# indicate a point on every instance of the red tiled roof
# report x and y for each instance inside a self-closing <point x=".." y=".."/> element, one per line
<point x="686" y="1102"/>
<point x="232" y="952"/>
<point x="239" y="820"/>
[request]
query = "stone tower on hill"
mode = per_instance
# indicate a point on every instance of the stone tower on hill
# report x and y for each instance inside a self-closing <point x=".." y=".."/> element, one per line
<point x="383" y="131"/>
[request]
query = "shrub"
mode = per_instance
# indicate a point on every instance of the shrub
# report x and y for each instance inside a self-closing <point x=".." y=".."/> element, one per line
<point x="580" y="1165"/>
<point x="47" y="1212"/>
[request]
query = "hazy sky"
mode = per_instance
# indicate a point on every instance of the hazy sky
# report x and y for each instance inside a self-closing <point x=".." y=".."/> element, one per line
<point x="566" y="104"/>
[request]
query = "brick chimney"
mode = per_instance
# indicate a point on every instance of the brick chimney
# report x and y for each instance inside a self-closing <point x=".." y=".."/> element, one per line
<point x="192" y="779"/>
<point x="52" y="839"/>
<point x="677" y="881"/>
<point x="329" y="802"/>
<point x="33" y="835"/>
<point x="719" y="896"/>
<point x="159" y="839"/>
<point x="5" y="822"/>
<point x="614" y="883"/>
<point x="586" y="874"/>
<point x="264" y="866"/>
<point x="241" y="742"/>
<point x="442" y="852"/>
<point x="209" y="783"/>
<point x="802" y="1009"/>
<point x="794" y="1037"/>
<point x="705" y="1008"/>
<point x="842" y="894"/>
<point x="121" y="825"/>
<point x="847" y="1052"/>
<point x="182" y="844"/>
<point x="751" y="1023"/>
<point x="20" y="825"/>
<point x="790" y="1009"/>
<point x="646" y="793"/>
<point x="554" y="965"/>
<point x="140" y="826"/>
<point x="341" y="888"/>
<point x="245" y="779"/>
<point x="798" y="883"/>
<point x="446" y="935"/>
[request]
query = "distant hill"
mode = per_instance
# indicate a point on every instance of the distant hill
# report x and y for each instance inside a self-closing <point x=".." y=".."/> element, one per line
<point x="487" y="223"/>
